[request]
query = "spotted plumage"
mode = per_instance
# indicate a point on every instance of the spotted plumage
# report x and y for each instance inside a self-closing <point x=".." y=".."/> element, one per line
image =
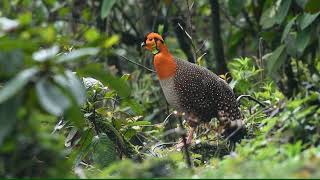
<point x="201" y="92"/>
<point x="195" y="90"/>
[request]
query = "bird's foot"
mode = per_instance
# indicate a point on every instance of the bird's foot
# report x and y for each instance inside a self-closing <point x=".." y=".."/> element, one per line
<point x="188" y="139"/>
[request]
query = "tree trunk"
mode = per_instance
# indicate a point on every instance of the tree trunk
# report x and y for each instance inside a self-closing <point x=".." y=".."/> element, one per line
<point x="216" y="38"/>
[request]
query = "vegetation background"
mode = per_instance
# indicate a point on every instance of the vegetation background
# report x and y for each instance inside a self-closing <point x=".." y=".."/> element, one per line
<point x="78" y="98"/>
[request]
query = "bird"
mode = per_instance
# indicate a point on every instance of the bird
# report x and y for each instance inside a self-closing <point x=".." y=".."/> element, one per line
<point x="195" y="91"/>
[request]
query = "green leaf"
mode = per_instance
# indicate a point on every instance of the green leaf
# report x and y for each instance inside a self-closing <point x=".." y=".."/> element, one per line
<point x="45" y="54"/>
<point x="16" y="84"/>
<point x="77" y="54"/>
<point x="125" y="77"/>
<point x="85" y="146"/>
<point x="235" y="6"/>
<point x="106" y="7"/>
<point x="135" y="106"/>
<point x="302" y="41"/>
<point x="51" y="98"/>
<point x="312" y="6"/>
<point x="130" y="133"/>
<point x="9" y="44"/>
<point x="160" y="29"/>
<point x="74" y="114"/>
<point x="283" y="11"/>
<point x="288" y="28"/>
<point x="290" y="42"/>
<point x="25" y="18"/>
<point x="275" y="60"/>
<point x="114" y="39"/>
<point x="8" y="111"/>
<point x="91" y="35"/>
<point x="200" y="61"/>
<point x="98" y="72"/>
<point x="268" y="18"/>
<point x="73" y="84"/>
<point x="12" y="67"/>
<point x="306" y="19"/>
<point x="104" y="151"/>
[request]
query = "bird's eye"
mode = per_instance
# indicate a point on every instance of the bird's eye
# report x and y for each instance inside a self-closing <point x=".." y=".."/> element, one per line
<point x="150" y="39"/>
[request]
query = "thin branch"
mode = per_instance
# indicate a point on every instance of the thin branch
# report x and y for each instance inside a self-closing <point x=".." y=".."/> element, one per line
<point x="135" y="63"/>
<point x="166" y="119"/>
<point x="188" y="35"/>
<point x="162" y="144"/>
<point x="250" y="98"/>
<point x="202" y="45"/>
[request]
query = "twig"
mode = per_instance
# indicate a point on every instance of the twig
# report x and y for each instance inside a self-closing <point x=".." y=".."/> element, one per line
<point x="250" y="98"/>
<point x="166" y="119"/>
<point x="202" y="45"/>
<point x="261" y="52"/>
<point x="188" y="35"/>
<point x="133" y="62"/>
<point x="161" y="144"/>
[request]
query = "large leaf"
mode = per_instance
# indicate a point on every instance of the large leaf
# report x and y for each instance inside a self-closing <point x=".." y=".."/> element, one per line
<point x="275" y="60"/>
<point x="8" y="24"/>
<point x="306" y="19"/>
<point x="73" y="84"/>
<point x="12" y="67"/>
<point x="302" y="41"/>
<point x="288" y="28"/>
<point x="9" y="44"/>
<point x="51" y="97"/>
<point x="85" y="146"/>
<point x="98" y="72"/>
<point x="106" y="7"/>
<point x="282" y="11"/>
<point x="16" y="84"/>
<point x="290" y="42"/>
<point x="135" y="106"/>
<point x="268" y="18"/>
<point x="8" y="116"/>
<point x="235" y="6"/>
<point x="77" y="54"/>
<point x="45" y="54"/>
<point x="104" y="151"/>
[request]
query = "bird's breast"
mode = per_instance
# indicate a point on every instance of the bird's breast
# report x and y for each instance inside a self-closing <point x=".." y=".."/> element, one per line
<point x="169" y="91"/>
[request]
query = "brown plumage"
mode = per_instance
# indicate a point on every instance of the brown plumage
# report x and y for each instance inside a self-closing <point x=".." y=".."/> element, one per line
<point x="195" y="90"/>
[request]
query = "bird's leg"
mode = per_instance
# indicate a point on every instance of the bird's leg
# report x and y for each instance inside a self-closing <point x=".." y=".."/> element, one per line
<point x="193" y="123"/>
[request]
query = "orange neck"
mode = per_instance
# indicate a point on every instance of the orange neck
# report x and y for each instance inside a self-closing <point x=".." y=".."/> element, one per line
<point x="164" y="63"/>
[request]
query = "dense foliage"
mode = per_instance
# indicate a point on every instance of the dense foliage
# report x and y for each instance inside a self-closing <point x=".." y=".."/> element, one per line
<point x="74" y="102"/>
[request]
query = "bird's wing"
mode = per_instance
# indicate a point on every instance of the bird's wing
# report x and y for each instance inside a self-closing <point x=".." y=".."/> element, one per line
<point x="193" y="92"/>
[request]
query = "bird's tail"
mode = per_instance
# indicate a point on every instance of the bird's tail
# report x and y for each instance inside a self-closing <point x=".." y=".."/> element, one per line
<point x="232" y="126"/>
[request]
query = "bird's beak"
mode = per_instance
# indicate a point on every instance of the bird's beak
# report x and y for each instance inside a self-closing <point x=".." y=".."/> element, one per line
<point x="143" y="44"/>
